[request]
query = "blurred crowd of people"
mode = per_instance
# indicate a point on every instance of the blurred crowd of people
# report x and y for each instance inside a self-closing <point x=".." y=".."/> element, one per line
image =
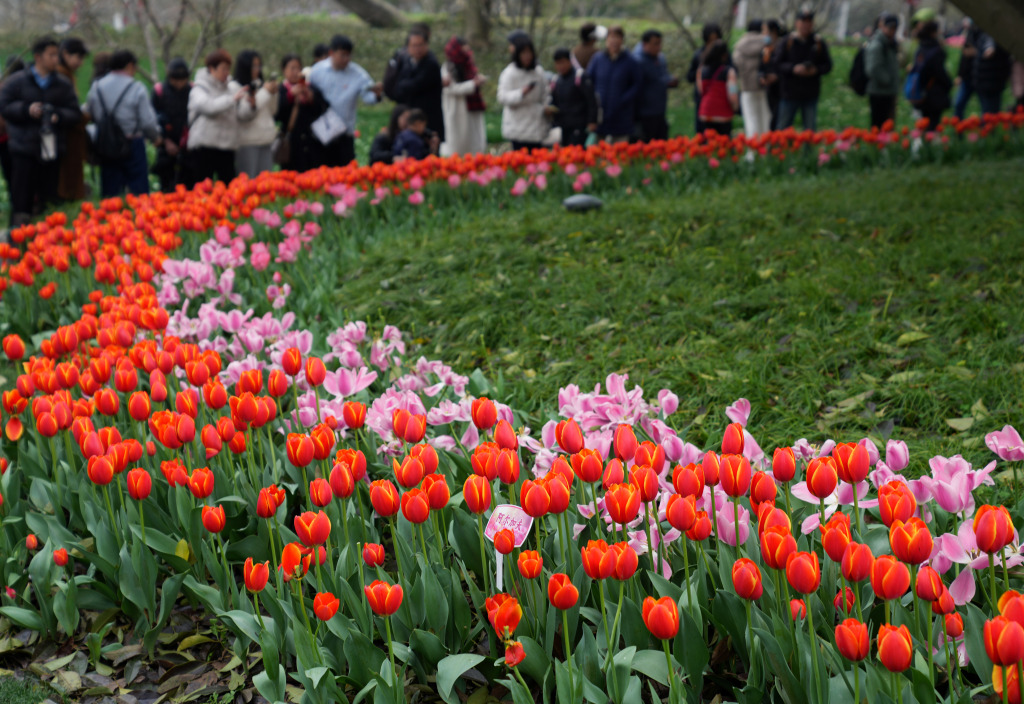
<point x="235" y="115"/>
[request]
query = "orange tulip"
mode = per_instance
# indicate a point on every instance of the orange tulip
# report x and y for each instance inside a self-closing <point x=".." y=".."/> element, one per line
<point x="255" y="574"/>
<point x="140" y="484"/>
<point x="626" y="560"/>
<point x="681" y="512"/>
<point x="852" y="462"/>
<point x="993" y="528"/>
<point x="504" y="613"/>
<point x="483" y="413"/>
<point x="598" y="560"/>
<point x="384" y="498"/>
<point x="313" y="528"/>
<point x="354" y="414"/>
<point x="299" y="448"/>
<point x="415" y="506"/>
<point x="569" y="436"/>
<point x="561" y="592"/>
<point x="622" y="502"/>
<point x="373" y="554"/>
<point x="784" y="464"/>
<point x="661" y="617"/>
<point x="822" y="476"/>
<point x="746" y="579"/>
<point x="201" y="482"/>
<point x="320" y="492"/>
<point x="504" y="541"/>
<point x="213" y="518"/>
<point x="852" y="640"/>
<point x="803" y="571"/>
<point x="476" y="492"/>
<point x="325" y="606"/>
<point x="777" y="544"/>
<point x="587" y="465"/>
<point x="505" y="436"/>
<point x="384" y="598"/>
<point x="835" y="536"/>
<point x="734" y="474"/>
<point x="890" y="578"/>
<point x="624" y="442"/>
<point x="895" y="502"/>
<point x="688" y="480"/>
<point x="409" y="473"/>
<point x="856" y="562"/>
<point x="911" y="541"/>
<point x="534" y="498"/>
<point x="732" y="439"/>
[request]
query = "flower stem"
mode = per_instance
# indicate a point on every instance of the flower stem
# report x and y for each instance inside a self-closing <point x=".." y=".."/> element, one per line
<point x="931" y="655"/>
<point x="647" y="528"/>
<point x="814" y="649"/>
<point x="856" y="511"/>
<point x="671" y="670"/>
<point x="856" y="683"/>
<point x="992" y="581"/>
<point x="736" y="524"/>
<point x="609" y="665"/>
<point x="483" y="555"/>
<point x="110" y="512"/>
<point x="391" y="654"/>
<point x="256" y="606"/>
<point x="568" y="655"/>
<point x="750" y="635"/>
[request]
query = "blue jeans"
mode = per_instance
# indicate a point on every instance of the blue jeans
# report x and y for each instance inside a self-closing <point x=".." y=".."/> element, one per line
<point x="963" y="95"/>
<point x="131" y="174"/>
<point x="991" y="102"/>
<point x="808" y="111"/>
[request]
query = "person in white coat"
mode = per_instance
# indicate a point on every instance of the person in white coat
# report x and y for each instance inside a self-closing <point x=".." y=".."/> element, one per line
<point x="461" y="102"/>
<point x="256" y="135"/>
<point x="215" y="105"/>
<point x="523" y="91"/>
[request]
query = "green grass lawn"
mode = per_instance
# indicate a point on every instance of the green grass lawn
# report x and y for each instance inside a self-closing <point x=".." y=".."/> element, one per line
<point x="884" y="302"/>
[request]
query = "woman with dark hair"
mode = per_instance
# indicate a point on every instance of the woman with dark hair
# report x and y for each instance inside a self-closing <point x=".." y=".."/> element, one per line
<point x="215" y="105"/>
<point x="299" y="105"/>
<point x="256" y="130"/>
<point x="382" y="148"/>
<point x="523" y="91"/>
<point x="929" y="91"/>
<point x="71" y="185"/>
<point x="461" y="102"/>
<point x="719" y="90"/>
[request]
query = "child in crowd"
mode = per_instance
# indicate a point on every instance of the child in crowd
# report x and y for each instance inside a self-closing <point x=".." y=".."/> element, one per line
<point x="573" y="103"/>
<point x="411" y="142"/>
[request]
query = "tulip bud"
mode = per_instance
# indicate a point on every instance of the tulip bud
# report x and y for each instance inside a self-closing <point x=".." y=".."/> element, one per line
<point x="373" y="554"/>
<point x="784" y="464"/>
<point x="732" y="439"/>
<point x="483" y="413"/>
<point x="896" y="649"/>
<point x="530" y="564"/>
<point x="60" y="557"/>
<point x="852" y="640"/>
<point x="561" y="592"/>
<point x="746" y="579"/>
<point x="504" y="541"/>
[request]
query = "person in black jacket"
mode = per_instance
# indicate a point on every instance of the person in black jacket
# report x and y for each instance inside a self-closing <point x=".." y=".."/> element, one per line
<point x="992" y="65"/>
<point x="934" y="81"/>
<point x="296" y="97"/>
<point x="39" y="105"/>
<point x="965" y="70"/>
<point x="418" y="81"/>
<point x="801" y="60"/>
<point x="573" y="101"/>
<point x="170" y="102"/>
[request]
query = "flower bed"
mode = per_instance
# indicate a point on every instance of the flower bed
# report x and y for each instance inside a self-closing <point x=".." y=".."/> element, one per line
<point x="373" y="523"/>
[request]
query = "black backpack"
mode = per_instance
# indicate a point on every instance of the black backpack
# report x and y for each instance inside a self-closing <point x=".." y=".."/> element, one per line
<point x="858" y="74"/>
<point x="395" y="64"/>
<point x="111" y="144"/>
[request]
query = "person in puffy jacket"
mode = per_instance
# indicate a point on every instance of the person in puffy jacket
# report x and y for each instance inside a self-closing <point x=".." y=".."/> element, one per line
<point x="618" y="79"/>
<point x="299" y="105"/>
<point x="523" y="91"/>
<point x="215" y="105"/>
<point x="992" y="66"/>
<point x="170" y="102"/>
<point x="934" y="81"/>
<point x="801" y="59"/>
<point x="746" y="56"/>
<point x="256" y="134"/>
<point x="38" y="105"/>
<point x="882" y="66"/>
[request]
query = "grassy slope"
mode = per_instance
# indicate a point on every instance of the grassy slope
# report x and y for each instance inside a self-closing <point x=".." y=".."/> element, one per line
<point x="794" y="294"/>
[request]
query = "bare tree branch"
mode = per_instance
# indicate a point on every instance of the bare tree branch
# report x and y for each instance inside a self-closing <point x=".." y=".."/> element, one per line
<point x="679" y="24"/>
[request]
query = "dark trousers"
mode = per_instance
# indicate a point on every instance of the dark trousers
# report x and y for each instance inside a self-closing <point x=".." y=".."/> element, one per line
<point x="340" y="152"/>
<point x="963" y="94"/>
<point x="719" y="127"/>
<point x="574" y="136"/>
<point x="934" y="117"/>
<point x="33" y="184"/>
<point x="207" y="162"/>
<point x="131" y="174"/>
<point x="516" y="146"/>
<point x="653" y="127"/>
<point x="991" y="102"/>
<point x="883" y="107"/>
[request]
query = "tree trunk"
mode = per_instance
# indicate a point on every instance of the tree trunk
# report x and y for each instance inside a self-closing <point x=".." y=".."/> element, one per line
<point x="375" y="13"/>
<point x="1003" y="19"/>
<point x="478" y="23"/>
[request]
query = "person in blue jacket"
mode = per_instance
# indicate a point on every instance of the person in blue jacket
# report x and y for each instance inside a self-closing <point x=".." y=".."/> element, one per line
<point x="652" y="102"/>
<point x="617" y="78"/>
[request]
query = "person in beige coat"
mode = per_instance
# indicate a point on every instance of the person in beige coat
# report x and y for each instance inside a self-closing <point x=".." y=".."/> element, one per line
<point x="256" y="135"/>
<point x="461" y="102"/>
<point x="215" y="106"/>
<point x="746" y="57"/>
<point x="523" y="93"/>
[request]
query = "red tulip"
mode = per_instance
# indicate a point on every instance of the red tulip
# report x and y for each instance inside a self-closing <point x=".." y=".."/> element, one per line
<point x="313" y="528"/>
<point x="354" y="414"/>
<point x="1012" y="675"/>
<point x="777" y="544"/>
<point x="100" y="470"/>
<point x="587" y="465"/>
<point x="681" y="512"/>
<point x="415" y="506"/>
<point x="890" y="578"/>
<point x="31" y="541"/>
<point x="373" y="554"/>
<point x="476" y="493"/>
<point x="622" y="502"/>
<point x="504" y="541"/>
<point x="929" y="584"/>
<point x="315" y="371"/>
<point x="514" y="654"/>
<point x="784" y="464"/>
<point x="427" y="456"/>
<point x="483" y="413"/>
<point x="341" y="482"/>
<point x="993" y="528"/>
<point x="295" y="561"/>
<point x="954" y="625"/>
<point x="505" y="436"/>
<point x="291" y="361"/>
<point x="355" y="460"/>
<point x="561" y="592"/>
<point x="746" y="579"/>
<point x="613" y="474"/>
<point x="60" y="557"/>
<point x="944" y="604"/>
<point x="911" y="541"/>
<point x="384" y="498"/>
<point x="436" y="488"/>
<point x="734" y="475"/>
<point x="14" y="347"/>
<point x="852" y="640"/>
<point x="384" y="598"/>
<point x="732" y="439"/>
<point x="701" y="527"/>
<point x="598" y="560"/>
<point x="504" y="613"/>
<point x="255" y="574"/>
<point x="822" y="477"/>
<point x="213" y="518"/>
<point x="409" y="473"/>
<point x="661" y="617"/>
<point x="803" y="571"/>
<point x="408" y="426"/>
<point x="140" y="484"/>
<point x="325" y="606"/>
<point x="763" y="491"/>
<point x="797" y="609"/>
<point x="646" y="482"/>
<point x="688" y="480"/>
<point x="1004" y="641"/>
<point x="844" y="601"/>
<point x="895" y="502"/>
<point x="895" y="648"/>
<point x="852" y="462"/>
<point x="856" y="562"/>
<point x="569" y="436"/>
<point x="835" y="536"/>
<point x="530" y="564"/>
<point x="201" y="482"/>
<point x="625" y="442"/>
